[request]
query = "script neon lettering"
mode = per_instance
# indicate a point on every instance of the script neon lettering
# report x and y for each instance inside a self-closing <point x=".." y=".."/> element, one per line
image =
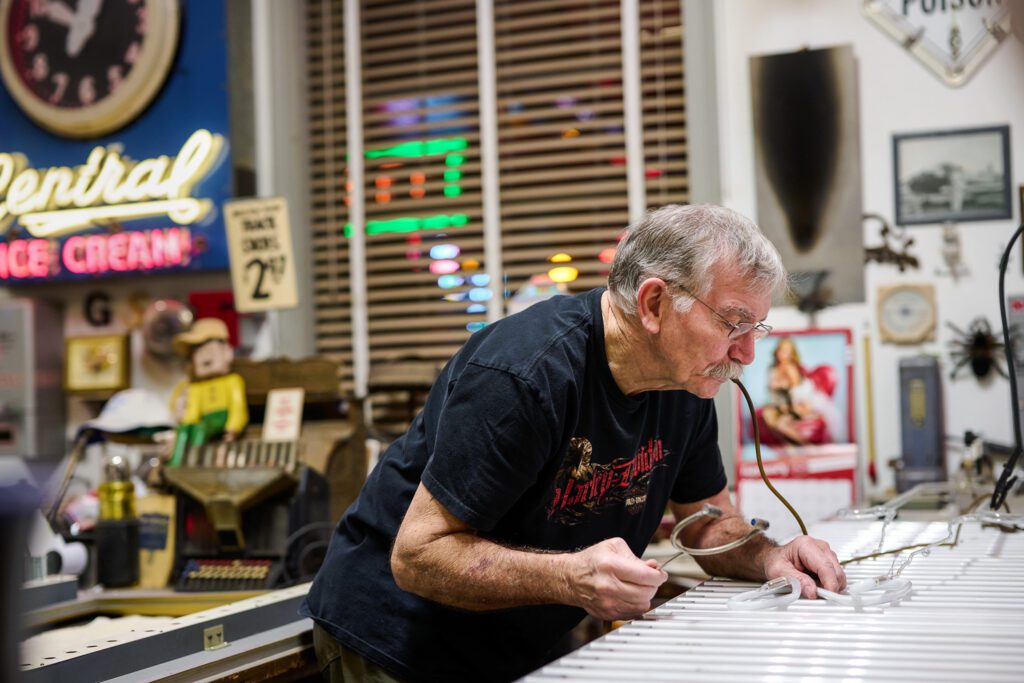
<point x="144" y="180"/>
<point x="108" y="187"/>
<point x="55" y="189"/>
<point x="10" y="166"/>
<point x="21" y="197"/>
<point x="85" y="175"/>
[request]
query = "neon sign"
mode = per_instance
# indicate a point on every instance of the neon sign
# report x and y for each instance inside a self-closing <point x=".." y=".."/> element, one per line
<point x="108" y="187"/>
<point x="58" y="209"/>
<point x="122" y="252"/>
<point x="449" y="149"/>
<point x="127" y="251"/>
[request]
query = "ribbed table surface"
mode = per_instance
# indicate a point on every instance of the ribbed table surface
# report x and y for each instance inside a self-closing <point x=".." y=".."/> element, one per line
<point x="963" y="621"/>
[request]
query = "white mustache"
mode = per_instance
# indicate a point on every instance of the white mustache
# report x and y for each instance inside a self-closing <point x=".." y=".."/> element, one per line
<point x="729" y="370"/>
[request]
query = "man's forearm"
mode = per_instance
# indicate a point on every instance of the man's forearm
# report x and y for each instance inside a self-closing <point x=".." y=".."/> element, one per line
<point x="745" y="562"/>
<point x="438" y="557"/>
<point x="469" y="572"/>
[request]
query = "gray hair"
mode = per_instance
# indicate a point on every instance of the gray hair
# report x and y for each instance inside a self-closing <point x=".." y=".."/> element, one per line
<point x="682" y="243"/>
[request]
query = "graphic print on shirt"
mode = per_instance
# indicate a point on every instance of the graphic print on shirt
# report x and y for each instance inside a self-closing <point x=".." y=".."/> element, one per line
<point x="585" y="488"/>
<point x="582" y="448"/>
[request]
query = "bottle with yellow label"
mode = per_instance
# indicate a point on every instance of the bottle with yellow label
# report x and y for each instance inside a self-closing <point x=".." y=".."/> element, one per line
<point x="117" y="529"/>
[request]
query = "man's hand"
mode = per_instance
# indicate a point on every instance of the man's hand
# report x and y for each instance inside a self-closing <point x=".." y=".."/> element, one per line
<point x="802" y="556"/>
<point x="610" y="582"/>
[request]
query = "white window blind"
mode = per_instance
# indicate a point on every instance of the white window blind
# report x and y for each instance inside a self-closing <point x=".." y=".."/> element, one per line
<point x="327" y="122"/>
<point x="561" y="157"/>
<point x="561" y="141"/>
<point x="425" y="283"/>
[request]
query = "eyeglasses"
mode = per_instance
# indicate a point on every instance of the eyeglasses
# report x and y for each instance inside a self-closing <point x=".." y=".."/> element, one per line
<point x="737" y="330"/>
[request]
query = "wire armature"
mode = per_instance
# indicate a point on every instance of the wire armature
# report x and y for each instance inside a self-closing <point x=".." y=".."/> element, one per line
<point x="1006" y="521"/>
<point x="882" y="512"/>
<point x="877" y="591"/>
<point x="712" y="512"/>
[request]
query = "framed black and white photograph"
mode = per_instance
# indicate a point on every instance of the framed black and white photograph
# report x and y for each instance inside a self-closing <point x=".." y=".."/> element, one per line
<point x="952" y="175"/>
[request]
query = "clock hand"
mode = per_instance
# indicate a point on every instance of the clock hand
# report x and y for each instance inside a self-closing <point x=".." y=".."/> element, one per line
<point x="59" y="13"/>
<point x="78" y="34"/>
<point x="83" y="27"/>
<point x="88" y="9"/>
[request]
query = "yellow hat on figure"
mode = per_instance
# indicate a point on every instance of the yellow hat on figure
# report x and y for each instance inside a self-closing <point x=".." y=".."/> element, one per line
<point x="202" y="331"/>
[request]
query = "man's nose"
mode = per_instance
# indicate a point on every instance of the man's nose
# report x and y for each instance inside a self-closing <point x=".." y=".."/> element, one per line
<point x="742" y="349"/>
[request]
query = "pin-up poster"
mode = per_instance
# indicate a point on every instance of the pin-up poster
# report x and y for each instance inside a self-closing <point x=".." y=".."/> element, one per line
<point x="801" y="385"/>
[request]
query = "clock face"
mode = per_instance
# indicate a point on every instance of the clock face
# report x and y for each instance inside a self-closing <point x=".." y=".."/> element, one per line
<point x="907" y="313"/>
<point x="84" y="68"/>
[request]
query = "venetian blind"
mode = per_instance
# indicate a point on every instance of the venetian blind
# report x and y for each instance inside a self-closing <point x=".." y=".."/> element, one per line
<point x="326" y="77"/>
<point x="560" y="130"/>
<point x="664" y="103"/>
<point x="561" y="150"/>
<point x="424" y="253"/>
<point x="562" y="146"/>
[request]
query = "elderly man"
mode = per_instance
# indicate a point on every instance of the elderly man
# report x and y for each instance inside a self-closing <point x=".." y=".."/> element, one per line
<point x="522" y="495"/>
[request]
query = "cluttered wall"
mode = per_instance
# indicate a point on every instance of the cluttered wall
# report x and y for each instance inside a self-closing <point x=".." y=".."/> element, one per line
<point x="897" y="96"/>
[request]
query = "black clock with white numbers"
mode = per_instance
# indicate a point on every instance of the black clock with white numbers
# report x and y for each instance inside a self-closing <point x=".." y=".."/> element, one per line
<point x="85" y="68"/>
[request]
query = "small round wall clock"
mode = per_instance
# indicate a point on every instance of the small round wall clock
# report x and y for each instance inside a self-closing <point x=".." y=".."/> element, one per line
<point x="87" y="68"/>
<point x="906" y="313"/>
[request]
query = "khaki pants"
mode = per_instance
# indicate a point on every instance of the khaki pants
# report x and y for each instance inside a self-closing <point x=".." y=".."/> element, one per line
<point x="338" y="664"/>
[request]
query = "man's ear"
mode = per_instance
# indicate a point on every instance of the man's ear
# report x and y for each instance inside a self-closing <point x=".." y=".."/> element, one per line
<point x="653" y="303"/>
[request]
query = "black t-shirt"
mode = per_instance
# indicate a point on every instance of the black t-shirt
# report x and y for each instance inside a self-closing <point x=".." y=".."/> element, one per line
<point x="526" y="437"/>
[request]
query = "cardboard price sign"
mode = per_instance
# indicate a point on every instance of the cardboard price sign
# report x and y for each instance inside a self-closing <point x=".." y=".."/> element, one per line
<point x="282" y="419"/>
<point x="260" y="247"/>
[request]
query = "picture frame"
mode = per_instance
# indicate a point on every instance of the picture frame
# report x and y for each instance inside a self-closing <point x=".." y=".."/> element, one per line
<point x="96" y="365"/>
<point x="957" y="175"/>
<point x="817" y="465"/>
<point x="824" y="357"/>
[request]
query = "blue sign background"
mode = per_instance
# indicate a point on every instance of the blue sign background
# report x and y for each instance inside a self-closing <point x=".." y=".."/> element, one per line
<point x="195" y="96"/>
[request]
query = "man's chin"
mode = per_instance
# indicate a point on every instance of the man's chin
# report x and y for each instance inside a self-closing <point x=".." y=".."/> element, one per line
<point x="709" y="386"/>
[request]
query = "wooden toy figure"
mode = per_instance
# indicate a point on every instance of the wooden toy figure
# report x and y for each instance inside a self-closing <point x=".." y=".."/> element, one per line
<point x="215" y="403"/>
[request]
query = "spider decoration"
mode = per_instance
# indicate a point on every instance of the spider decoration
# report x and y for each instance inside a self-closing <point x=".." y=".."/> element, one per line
<point x="977" y="347"/>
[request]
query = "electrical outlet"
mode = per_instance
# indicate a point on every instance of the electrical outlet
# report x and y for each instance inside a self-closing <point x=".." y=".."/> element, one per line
<point x="213" y="637"/>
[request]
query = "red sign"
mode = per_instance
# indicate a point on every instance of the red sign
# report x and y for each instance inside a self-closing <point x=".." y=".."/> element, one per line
<point x="126" y="251"/>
